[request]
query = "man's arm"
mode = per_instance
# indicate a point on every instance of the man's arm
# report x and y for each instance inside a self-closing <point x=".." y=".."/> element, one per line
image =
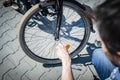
<point x="67" y="71"/>
<point x="66" y="62"/>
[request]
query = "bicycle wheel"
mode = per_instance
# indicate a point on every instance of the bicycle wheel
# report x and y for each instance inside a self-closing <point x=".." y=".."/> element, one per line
<point x="37" y="29"/>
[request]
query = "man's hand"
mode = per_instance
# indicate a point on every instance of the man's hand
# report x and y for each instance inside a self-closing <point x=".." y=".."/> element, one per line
<point x="66" y="62"/>
<point x="63" y="54"/>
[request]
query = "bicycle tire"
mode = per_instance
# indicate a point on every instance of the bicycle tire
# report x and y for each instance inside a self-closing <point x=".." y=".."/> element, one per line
<point x="46" y="60"/>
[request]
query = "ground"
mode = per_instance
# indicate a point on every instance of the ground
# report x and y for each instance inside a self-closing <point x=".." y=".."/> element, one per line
<point x="16" y="65"/>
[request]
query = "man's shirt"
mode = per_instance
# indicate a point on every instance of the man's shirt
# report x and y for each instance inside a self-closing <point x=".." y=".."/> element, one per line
<point x="115" y="75"/>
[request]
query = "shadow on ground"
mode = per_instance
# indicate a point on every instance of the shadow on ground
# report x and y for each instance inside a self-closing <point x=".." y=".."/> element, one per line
<point x="80" y="59"/>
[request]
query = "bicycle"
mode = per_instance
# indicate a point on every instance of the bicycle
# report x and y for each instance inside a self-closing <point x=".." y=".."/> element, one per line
<point x="50" y="22"/>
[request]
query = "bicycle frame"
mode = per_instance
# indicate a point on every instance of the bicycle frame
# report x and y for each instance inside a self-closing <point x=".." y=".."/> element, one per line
<point x="59" y="11"/>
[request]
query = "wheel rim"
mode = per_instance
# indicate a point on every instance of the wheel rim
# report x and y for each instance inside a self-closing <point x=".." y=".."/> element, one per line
<point x="69" y="33"/>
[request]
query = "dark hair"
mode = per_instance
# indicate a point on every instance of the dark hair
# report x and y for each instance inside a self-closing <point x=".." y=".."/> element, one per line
<point x="108" y="17"/>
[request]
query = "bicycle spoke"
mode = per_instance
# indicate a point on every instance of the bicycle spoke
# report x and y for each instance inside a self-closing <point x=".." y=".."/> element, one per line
<point x="39" y="31"/>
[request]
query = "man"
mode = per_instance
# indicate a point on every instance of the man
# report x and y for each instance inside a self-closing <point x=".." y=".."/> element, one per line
<point x="107" y="59"/>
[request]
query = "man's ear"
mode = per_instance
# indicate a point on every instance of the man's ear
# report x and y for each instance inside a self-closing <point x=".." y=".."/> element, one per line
<point x="118" y="53"/>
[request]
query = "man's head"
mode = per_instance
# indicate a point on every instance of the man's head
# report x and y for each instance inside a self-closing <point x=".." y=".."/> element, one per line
<point x="108" y="17"/>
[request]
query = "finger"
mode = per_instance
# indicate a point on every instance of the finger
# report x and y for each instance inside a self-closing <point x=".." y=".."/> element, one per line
<point x="59" y="46"/>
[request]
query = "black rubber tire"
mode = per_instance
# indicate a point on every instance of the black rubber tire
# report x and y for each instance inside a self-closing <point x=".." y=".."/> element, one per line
<point x="32" y="11"/>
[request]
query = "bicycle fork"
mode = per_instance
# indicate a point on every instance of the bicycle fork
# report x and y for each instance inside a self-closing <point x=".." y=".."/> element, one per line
<point x="59" y="11"/>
